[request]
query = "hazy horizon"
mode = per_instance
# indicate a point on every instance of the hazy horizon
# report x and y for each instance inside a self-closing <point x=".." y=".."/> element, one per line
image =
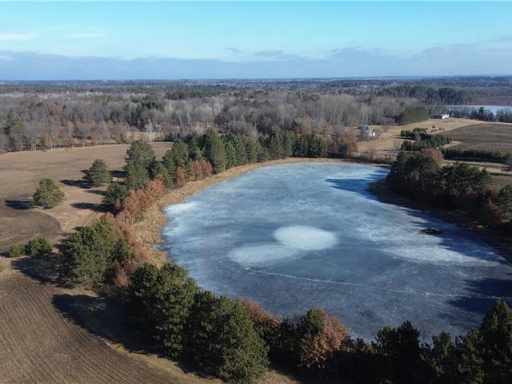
<point x="248" y="40"/>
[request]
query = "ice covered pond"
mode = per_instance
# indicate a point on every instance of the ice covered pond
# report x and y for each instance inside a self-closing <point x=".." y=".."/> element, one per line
<point x="304" y="235"/>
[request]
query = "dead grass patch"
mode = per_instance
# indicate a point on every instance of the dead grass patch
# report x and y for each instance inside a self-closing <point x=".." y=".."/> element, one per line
<point x="493" y="137"/>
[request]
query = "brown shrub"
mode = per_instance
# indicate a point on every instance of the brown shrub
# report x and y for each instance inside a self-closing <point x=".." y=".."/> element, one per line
<point x="140" y="254"/>
<point x="434" y="154"/>
<point x="121" y="278"/>
<point x="206" y="168"/>
<point x="180" y="177"/>
<point x="139" y="200"/>
<point x="259" y="316"/>
<point x="318" y="349"/>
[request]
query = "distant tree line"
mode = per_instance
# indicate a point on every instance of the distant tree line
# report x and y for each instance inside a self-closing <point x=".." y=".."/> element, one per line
<point x="414" y="114"/>
<point x="60" y="119"/>
<point x="45" y="115"/>
<point x="427" y="94"/>
<point x="476" y="155"/>
<point x="502" y="115"/>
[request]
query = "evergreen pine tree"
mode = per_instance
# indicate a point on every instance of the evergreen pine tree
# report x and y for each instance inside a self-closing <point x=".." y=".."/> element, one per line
<point x="140" y="153"/>
<point x="98" y="174"/>
<point x="496" y="344"/>
<point x="215" y="151"/>
<point x="221" y="340"/>
<point x="158" y="170"/>
<point x="251" y="149"/>
<point x="163" y="299"/>
<point x="87" y="254"/>
<point x="136" y="175"/>
<point x="115" y="194"/>
<point x="48" y="194"/>
<point x="231" y="155"/>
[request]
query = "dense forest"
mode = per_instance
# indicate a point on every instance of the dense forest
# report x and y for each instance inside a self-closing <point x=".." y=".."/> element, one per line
<point x="35" y="122"/>
<point x="46" y="115"/>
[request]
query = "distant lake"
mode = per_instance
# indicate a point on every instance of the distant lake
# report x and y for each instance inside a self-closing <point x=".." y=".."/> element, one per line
<point x="297" y="236"/>
<point x="491" y="108"/>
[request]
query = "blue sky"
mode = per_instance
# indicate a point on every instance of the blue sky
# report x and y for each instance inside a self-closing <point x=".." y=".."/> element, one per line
<point x="260" y="31"/>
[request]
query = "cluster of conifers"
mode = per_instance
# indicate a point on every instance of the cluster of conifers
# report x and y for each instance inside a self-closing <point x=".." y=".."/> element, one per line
<point x="237" y="340"/>
<point x="420" y="176"/>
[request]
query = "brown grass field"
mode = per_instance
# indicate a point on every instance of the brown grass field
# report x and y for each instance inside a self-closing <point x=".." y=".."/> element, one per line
<point x="21" y="171"/>
<point x="389" y="141"/>
<point x="484" y="137"/>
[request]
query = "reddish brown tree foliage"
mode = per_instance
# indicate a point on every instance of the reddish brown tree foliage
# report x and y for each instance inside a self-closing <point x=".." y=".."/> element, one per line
<point x="265" y="324"/>
<point x="200" y="169"/>
<point x="259" y="316"/>
<point x="206" y="168"/>
<point x="195" y="171"/>
<point x="132" y="209"/>
<point x="318" y="349"/>
<point x="139" y="256"/>
<point x="121" y="278"/>
<point x="180" y="177"/>
<point x="434" y="154"/>
<point x="137" y="201"/>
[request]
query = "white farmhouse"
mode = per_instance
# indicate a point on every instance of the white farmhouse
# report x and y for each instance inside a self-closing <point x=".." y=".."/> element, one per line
<point x="367" y="132"/>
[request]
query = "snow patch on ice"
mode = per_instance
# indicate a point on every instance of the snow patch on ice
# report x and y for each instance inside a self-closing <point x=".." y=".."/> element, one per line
<point x="432" y="254"/>
<point x="177" y="209"/>
<point x="261" y="254"/>
<point x="305" y="238"/>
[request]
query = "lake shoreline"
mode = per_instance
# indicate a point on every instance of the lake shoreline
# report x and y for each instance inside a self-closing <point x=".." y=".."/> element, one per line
<point x="149" y="230"/>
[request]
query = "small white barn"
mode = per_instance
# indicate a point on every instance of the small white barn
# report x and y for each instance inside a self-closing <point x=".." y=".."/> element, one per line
<point x="367" y="132"/>
<point x="442" y="116"/>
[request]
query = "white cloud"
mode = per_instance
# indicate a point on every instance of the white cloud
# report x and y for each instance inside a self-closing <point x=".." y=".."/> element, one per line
<point x="86" y="35"/>
<point x="16" y="36"/>
<point x="235" y="51"/>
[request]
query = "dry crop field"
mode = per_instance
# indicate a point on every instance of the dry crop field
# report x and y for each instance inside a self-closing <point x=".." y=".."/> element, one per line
<point x="483" y="137"/>
<point x="39" y="345"/>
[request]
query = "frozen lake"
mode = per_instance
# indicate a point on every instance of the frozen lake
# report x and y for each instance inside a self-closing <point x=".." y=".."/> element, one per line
<point x="297" y="236"/>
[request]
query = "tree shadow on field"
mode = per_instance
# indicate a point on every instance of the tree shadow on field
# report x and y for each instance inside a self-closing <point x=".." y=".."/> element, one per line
<point x="118" y="174"/>
<point x="105" y="317"/>
<point x="91" y="206"/>
<point x="97" y="192"/>
<point x="81" y="183"/>
<point x="19" y="203"/>
<point x="109" y="318"/>
<point x="41" y="268"/>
